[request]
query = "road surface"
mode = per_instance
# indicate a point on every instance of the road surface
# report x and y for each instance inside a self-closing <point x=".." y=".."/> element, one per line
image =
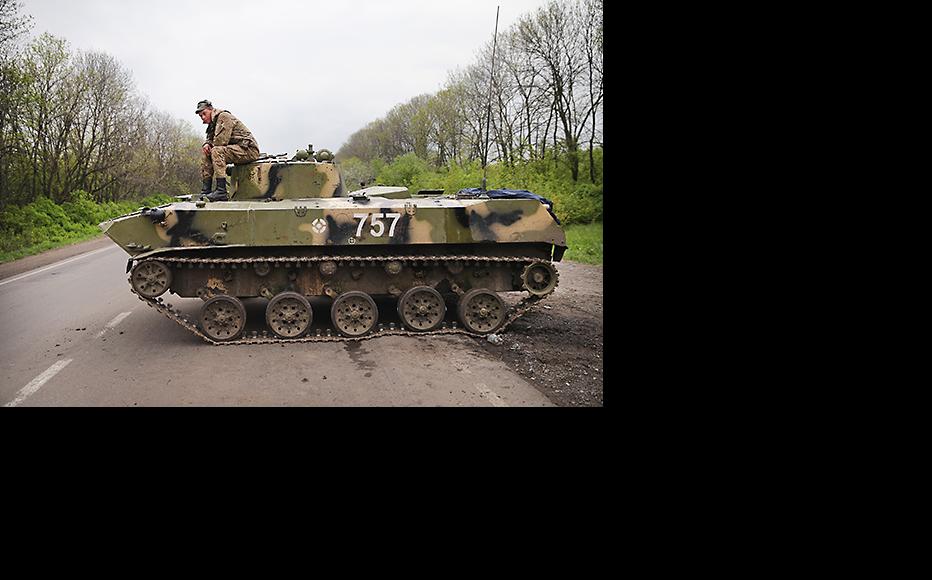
<point x="72" y="334"/>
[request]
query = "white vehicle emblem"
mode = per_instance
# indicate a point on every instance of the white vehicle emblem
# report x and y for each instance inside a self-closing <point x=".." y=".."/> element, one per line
<point x="319" y="225"/>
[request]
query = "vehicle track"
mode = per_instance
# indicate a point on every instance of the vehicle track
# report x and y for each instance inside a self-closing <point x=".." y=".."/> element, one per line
<point x="328" y="335"/>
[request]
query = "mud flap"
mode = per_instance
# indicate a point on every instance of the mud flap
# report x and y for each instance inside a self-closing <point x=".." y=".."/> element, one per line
<point x="558" y="252"/>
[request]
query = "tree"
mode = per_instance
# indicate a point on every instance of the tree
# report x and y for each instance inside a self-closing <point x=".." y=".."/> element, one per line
<point x="547" y="93"/>
<point x="592" y="50"/>
<point x="12" y="24"/>
<point x="552" y="37"/>
<point x="75" y="121"/>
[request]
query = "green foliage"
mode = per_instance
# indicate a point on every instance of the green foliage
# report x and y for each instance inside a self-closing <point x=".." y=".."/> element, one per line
<point x="457" y="177"/>
<point x="577" y="202"/>
<point x="582" y="204"/>
<point x="355" y="171"/>
<point x="60" y="130"/>
<point x="404" y="170"/>
<point x="158" y="199"/>
<point x="585" y="243"/>
<point x="43" y="224"/>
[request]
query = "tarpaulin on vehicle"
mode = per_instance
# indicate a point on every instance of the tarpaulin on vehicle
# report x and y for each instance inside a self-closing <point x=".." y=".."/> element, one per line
<point x="509" y="194"/>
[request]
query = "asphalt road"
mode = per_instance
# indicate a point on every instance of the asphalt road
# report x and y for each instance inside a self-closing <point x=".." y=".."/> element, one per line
<point x="72" y="334"/>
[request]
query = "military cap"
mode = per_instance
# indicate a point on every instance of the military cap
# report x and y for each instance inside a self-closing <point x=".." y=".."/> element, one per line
<point x="201" y="105"/>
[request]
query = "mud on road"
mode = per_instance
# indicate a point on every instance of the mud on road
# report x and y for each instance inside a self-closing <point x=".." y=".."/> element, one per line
<point x="558" y="345"/>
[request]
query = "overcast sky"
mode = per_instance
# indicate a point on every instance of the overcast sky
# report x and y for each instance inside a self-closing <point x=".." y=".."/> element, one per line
<point x="294" y="72"/>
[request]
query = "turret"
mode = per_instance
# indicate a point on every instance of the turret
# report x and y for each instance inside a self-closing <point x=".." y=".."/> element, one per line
<point x="308" y="174"/>
<point x="276" y="178"/>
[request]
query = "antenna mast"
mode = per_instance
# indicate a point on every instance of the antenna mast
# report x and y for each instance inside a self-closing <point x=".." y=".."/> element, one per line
<point x="488" y="114"/>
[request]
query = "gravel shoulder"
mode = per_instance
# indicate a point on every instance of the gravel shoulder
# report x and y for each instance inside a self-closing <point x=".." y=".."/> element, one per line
<point x="558" y="345"/>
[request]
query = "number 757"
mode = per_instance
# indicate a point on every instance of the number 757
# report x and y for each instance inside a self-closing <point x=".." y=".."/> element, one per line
<point x="378" y="227"/>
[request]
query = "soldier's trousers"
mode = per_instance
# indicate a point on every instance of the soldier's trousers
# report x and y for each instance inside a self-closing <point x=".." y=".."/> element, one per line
<point x="215" y="164"/>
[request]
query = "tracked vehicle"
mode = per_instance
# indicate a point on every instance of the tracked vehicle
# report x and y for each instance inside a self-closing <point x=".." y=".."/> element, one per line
<point x="291" y="231"/>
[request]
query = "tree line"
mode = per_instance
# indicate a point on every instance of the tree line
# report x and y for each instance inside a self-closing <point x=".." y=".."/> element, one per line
<point x="546" y="100"/>
<point x="74" y="121"/>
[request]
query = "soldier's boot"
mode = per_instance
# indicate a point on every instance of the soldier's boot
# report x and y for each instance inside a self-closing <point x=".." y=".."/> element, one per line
<point x="219" y="194"/>
<point x="206" y="189"/>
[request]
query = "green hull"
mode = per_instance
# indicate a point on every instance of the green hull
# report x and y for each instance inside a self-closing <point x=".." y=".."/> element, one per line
<point x="338" y="221"/>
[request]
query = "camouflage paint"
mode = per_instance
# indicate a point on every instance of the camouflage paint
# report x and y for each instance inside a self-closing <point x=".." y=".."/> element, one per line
<point x="285" y="180"/>
<point x="313" y="210"/>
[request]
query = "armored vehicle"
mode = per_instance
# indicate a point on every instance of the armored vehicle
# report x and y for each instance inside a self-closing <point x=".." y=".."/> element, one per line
<point x="291" y="232"/>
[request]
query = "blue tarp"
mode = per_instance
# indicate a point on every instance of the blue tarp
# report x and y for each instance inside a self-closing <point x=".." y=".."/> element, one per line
<point x="510" y="194"/>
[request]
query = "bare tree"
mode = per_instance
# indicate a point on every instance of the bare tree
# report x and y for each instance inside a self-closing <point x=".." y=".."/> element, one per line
<point x="107" y="86"/>
<point x="592" y="49"/>
<point x="14" y="146"/>
<point x="552" y="37"/>
<point x="547" y="92"/>
<point x="12" y="24"/>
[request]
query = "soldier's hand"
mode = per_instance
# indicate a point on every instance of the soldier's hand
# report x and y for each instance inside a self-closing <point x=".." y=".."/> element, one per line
<point x="207" y="149"/>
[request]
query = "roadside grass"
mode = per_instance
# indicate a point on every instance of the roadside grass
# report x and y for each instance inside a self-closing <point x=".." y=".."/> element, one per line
<point x="11" y="255"/>
<point x="585" y="243"/>
<point x="43" y="225"/>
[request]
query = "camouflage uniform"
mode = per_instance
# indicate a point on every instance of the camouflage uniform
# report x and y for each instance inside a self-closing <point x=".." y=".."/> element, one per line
<point x="232" y="143"/>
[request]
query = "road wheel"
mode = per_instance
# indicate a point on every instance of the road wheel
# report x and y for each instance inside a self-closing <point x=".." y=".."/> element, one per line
<point x="151" y="278"/>
<point x="481" y="311"/>
<point x="421" y="308"/>
<point x="223" y="318"/>
<point x="539" y="278"/>
<point x="289" y="315"/>
<point x="354" y="313"/>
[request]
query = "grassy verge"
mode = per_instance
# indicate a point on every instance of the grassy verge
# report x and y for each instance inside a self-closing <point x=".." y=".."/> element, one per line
<point x="585" y="243"/>
<point x="11" y="255"/>
<point x="43" y="225"/>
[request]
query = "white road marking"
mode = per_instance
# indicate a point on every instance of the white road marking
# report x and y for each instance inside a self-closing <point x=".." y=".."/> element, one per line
<point x="37" y="382"/>
<point x="55" y="265"/>
<point x="116" y="320"/>
<point x="491" y="395"/>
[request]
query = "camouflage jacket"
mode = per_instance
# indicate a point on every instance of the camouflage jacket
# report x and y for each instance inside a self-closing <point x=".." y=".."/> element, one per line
<point x="225" y="129"/>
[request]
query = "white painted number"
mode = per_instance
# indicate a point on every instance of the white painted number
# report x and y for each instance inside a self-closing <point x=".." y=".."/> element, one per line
<point x="362" y="219"/>
<point x="395" y="217"/>
<point x="377" y="222"/>
<point x="378" y="227"/>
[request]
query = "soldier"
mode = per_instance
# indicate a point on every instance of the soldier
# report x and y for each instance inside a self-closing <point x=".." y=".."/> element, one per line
<point x="228" y="141"/>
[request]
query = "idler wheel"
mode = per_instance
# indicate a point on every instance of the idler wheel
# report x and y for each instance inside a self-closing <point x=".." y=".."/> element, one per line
<point x="539" y="278"/>
<point x="289" y="315"/>
<point x="223" y="318"/>
<point x="421" y="308"/>
<point x="481" y="311"/>
<point x="151" y="278"/>
<point x="354" y="313"/>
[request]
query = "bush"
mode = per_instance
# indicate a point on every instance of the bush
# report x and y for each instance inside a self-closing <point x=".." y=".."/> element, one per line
<point x="82" y="208"/>
<point x="156" y="200"/>
<point x="404" y="170"/>
<point x="577" y="202"/>
<point x="355" y="171"/>
<point x="43" y="224"/>
<point x="581" y="205"/>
